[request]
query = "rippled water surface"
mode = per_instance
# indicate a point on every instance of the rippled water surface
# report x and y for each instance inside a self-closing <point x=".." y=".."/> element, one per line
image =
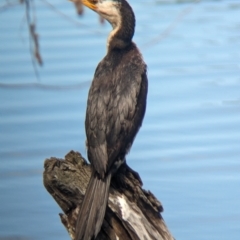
<point x="188" y="149"/>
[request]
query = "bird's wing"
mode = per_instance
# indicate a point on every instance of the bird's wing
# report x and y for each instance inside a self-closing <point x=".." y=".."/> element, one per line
<point x="96" y="118"/>
<point x="127" y="114"/>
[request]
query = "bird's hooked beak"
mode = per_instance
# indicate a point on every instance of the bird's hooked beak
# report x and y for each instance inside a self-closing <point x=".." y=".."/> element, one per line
<point x="90" y="4"/>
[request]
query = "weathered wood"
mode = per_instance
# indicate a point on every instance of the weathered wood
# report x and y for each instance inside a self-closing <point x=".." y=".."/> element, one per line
<point x="132" y="213"/>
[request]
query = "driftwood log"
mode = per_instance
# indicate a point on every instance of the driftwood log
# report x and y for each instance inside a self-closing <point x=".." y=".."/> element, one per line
<point x="132" y="213"/>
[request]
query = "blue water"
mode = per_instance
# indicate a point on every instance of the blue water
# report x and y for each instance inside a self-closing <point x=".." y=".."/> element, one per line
<point x="188" y="149"/>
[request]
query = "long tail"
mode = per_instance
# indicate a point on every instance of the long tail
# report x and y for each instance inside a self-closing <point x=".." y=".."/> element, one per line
<point x="93" y="208"/>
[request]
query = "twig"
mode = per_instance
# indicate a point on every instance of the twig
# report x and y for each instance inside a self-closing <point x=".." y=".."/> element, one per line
<point x="33" y="39"/>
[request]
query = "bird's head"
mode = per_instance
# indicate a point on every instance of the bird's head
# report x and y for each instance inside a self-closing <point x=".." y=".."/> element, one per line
<point x="120" y="15"/>
<point x="108" y="9"/>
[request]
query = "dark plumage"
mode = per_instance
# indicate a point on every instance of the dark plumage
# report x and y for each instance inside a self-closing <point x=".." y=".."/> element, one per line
<point x="115" y="110"/>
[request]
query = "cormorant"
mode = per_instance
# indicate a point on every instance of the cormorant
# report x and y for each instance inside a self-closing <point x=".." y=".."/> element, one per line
<point x="115" y="111"/>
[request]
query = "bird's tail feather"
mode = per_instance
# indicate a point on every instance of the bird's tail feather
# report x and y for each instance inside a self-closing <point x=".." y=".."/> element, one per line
<point x="93" y="208"/>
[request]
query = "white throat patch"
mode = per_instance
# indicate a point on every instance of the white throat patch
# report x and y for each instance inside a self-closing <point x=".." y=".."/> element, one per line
<point x="109" y="10"/>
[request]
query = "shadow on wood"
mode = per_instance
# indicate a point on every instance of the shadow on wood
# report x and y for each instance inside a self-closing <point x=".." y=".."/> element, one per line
<point x="132" y="213"/>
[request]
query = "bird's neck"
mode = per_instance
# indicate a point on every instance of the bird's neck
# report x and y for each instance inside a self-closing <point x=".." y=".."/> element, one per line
<point x="123" y="29"/>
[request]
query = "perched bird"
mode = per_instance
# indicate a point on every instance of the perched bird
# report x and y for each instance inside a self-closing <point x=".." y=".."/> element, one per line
<point x="115" y="111"/>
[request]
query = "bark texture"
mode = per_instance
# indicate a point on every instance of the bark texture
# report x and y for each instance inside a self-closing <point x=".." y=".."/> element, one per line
<point x="132" y="212"/>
